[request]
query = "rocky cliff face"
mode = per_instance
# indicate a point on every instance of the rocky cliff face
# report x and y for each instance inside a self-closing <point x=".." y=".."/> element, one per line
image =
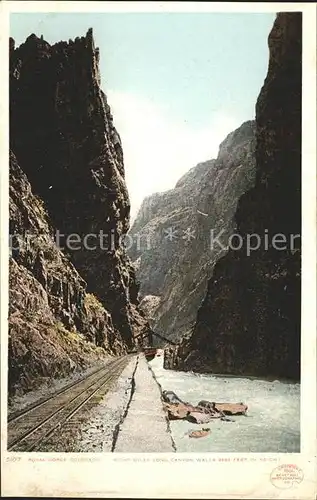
<point x="171" y="239"/>
<point x="67" y="190"/>
<point x="55" y="326"/>
<point x="249" y="322"/>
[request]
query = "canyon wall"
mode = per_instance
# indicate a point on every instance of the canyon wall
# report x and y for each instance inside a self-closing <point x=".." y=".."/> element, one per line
<point x="55" y="327"/>
<point x="249" y="321"/>
<point x="174" y="239"/>
<point x="73" y="292"/>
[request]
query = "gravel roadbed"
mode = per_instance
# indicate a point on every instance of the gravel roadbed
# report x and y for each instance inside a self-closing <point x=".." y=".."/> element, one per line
<point x="98" y="434"/>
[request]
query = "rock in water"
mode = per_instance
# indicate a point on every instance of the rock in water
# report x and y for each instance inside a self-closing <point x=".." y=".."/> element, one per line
<point x="199" y="434"/>
<point x="171" y="397"/>
<point x="231" y="408"/>
<point x="203" y="413"/>
<point x="225" y="408"/>
<point x="177" y="411"/>
<point x="249" y="321"/>
<point x="199" y="417"/>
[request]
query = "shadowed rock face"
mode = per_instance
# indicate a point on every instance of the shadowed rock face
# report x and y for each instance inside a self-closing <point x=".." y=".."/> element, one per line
<point x="173" y="232"/>
<point x="62" y="133"/>
<point x="68" y="308"/>
<point x="249" y="322"/>
<point x="55" y="327"/>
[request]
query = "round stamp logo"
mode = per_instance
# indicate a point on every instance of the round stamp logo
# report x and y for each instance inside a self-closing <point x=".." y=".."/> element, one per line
<point x="286" y="476"/>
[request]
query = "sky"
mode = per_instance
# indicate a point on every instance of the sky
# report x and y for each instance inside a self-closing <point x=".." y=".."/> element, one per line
<point x="177" y="83"/>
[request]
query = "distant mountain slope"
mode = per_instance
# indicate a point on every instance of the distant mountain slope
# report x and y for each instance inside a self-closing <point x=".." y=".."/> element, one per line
<point x="170" y="240"/>
<point x="250" y="319"/>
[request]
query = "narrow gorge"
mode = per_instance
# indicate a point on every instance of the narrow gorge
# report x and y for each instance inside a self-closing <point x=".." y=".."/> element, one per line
<point x="234" y="310"/>
<point x="105" y="316"/>
<point x="66" y="178"/>
<point x="172" y="235"/>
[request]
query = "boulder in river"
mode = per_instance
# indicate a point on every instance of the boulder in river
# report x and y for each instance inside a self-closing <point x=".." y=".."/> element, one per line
<point x="199" y="433"/>
<point x="199" y="417"/>
<point x="203" y="413"/>
<point x="225" y="408"/>
<point x="171" y="397"/>
<point x="178" y="411"/>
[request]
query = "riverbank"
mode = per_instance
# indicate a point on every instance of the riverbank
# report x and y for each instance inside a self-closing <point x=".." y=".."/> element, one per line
<point x="272" y="423"/>
<point x="145" y="427"/>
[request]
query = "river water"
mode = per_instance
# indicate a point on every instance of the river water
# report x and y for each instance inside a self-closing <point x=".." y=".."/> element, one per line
<point x="272" y="424"/>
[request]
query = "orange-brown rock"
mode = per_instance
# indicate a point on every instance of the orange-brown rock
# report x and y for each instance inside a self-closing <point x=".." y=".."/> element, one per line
<point x="178" y="410"/>
<point x="201" y="417"/>
<point x="199" y="434"/>
<point x="231" y="408"/>
<point x="226" y="408"/>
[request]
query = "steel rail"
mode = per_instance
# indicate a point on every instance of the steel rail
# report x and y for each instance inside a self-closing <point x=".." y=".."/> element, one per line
<point x="107" y="375"/>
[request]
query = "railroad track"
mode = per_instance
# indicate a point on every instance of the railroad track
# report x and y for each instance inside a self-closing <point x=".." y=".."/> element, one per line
<point x="31" y="428"/>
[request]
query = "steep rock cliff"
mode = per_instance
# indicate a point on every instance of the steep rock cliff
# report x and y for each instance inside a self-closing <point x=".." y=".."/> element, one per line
<point x="249" y="322"/>
<point x="62" y="133"/>
<point x="171" y="240"/>
<point x="55" y="327"/>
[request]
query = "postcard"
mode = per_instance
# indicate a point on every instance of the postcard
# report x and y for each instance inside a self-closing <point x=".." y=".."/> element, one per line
<point x="158" y="250"/>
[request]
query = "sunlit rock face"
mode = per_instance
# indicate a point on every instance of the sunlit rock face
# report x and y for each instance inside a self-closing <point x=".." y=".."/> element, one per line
<point x="249" y="321"/>
<point x="66" y="174"/>
<point x="173" y="241"/>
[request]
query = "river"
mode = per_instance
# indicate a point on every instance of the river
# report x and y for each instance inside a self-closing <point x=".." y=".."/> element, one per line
<point x="272" y="424"/>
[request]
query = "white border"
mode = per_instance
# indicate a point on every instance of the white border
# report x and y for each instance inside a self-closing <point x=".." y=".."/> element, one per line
<point x="124" y="475"/>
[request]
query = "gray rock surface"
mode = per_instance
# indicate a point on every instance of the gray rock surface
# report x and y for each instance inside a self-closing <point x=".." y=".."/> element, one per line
<point x="250" y="319"/>
<point x="171" y="235"/>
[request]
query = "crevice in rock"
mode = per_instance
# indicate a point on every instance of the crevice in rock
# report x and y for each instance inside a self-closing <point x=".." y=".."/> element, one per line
<point x="168" y="425"/>
<point x="125" y="413"/>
